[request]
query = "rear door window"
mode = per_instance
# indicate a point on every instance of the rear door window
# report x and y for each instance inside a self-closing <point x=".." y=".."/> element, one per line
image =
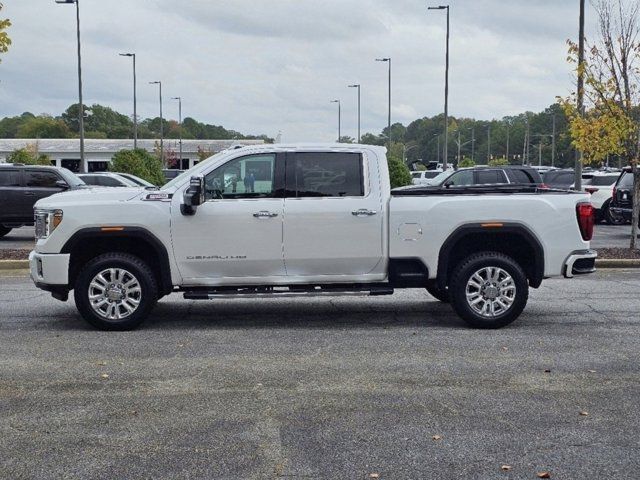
<point x="41" y="179"/>
<point x="491" y="177"/>
<point x="9" y="178"/>
<point x="325" y="174"/>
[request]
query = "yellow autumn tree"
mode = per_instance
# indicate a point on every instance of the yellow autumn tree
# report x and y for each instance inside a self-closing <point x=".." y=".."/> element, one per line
<point x="5" y="41"/>
<point x="610" y="68"/>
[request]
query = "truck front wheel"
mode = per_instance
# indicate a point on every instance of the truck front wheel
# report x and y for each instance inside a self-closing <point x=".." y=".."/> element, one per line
<point x="115" y="291"/>
<point x="489" y="290"/>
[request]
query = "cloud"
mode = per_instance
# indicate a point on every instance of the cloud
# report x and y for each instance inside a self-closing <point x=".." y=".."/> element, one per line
<point x="264" y="67"/>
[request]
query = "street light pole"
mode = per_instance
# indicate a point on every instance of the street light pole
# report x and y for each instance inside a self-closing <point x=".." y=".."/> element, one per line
<point x="578" y="162"/>
<point x="83" y="163"/>
<point x="357" y="85"/>
<point x="446" y="87"/>
<point x="388" y="59"/>
<point x="135" y="113"/>
<point x="488" y="143"/>
<point x="179" y="125"/>
<point x="159" y="83"/>
<point x="339" y="118"/>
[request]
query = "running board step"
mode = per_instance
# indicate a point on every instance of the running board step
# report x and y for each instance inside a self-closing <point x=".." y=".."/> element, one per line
<point x="288" y="291"/>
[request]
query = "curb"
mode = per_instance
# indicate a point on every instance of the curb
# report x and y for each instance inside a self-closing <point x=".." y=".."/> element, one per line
<point x="14" y="264"/>
<point x="600" y="263"/>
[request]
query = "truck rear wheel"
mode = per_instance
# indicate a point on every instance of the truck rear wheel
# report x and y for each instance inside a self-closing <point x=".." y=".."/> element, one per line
<point x="489" y="290"/>
<point x="115" y="291"/>
<point x="4" y="230"/>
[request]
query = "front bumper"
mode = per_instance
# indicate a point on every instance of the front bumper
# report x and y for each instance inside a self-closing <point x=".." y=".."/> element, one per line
<point x="49" y="268"/>
<point x="580" y="262"/>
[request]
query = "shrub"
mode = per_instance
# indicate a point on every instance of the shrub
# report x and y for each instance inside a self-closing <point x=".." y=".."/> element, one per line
<point x="466" y="162"/>
<point x="28" y="156"/>
<point x="496" y="162"/>
<point x="399" y="174"/>
<point x="138" y="162"/>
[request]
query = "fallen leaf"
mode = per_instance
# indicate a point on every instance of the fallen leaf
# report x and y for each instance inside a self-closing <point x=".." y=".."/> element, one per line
<point x="505" y="348"/>
<point x="437" y="437"/>
<point x="544" y="475"/>
<point x="506" y="468"/>
<point x="547" y="370"/>
<point x="181" y="344"/>
<point x="584" y="413"/>
<point x="374" y="475"/>
<point x="134" y="412"/>
<point x="591" y="371"/>
<point x="101" y="363"/>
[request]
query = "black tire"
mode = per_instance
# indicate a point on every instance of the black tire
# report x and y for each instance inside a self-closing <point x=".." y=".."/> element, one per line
<point x="4" y="230"/>
<point x="475" y="263"/>
<point x="609" y="217"/>
<point x="436" y="292"/>
<point x="148" y="295"/>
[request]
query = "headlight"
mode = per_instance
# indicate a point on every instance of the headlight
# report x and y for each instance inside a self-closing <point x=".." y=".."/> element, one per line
<point x="46" y="222"/>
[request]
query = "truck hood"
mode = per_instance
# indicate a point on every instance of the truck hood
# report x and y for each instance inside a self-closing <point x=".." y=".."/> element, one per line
<point x="97" y="195"/>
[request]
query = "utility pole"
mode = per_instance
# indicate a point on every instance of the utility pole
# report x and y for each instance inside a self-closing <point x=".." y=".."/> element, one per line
<point x="357" y="85"/>
<point x="507" y="152"/>
<point x="179" y="125"/>
<point x="439" y="149"/>
<point x="540" y="153"/>
<point x="473" y="144"/>
<point x="553" y="142"/>
<point x="159" y="83"/>
<point x="135" y="114"/>
<point x="446" y="88"/>
<point x="578" y="162"/>
<point x="339" y="118"/>
<point x="488" y="143"/>
<point x="458" y="158"/>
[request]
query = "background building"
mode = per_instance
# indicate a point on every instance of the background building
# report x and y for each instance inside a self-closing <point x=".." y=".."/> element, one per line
<point x="65" y="152"/>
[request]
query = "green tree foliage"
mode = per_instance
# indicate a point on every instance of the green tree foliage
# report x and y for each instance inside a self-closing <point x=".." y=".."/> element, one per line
<point x="399" y="173"/>
<point x="29" y="156"/>
<point x="466" y="162"/>
<point x="5" y="41"/>
<point x="43" y="127"/>
<point x="497" y="162"/>
<point x="9" y="125"/>
<point x="138" y="162"/>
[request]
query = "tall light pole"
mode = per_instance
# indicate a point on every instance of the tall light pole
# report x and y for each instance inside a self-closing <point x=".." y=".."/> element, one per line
<point x="578" y="162"/>
<point x="179" y="125"/>
<point x="388" y="59"/>
<point x="83" y="163"/>
<point x="135" y="113"/>
<point x="488" y="143"/>
<point x="446" y="87"/>
<point x="357" y="85"/>
<point x="339" y="118"/>
<point x="159" y="83"/>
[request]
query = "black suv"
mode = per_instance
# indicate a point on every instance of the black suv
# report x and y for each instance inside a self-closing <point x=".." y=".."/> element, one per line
<point x="21" y="186"/>
<point x="507" y="174"/>
<point x="622" y="198"/>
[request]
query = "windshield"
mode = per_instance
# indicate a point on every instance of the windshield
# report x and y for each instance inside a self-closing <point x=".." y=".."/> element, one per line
<point x="440" y="178"/>
<point x="71" y="178"/>
<point x="187" y="173"/>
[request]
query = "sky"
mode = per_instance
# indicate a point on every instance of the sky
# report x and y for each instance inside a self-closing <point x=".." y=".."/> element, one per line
<point x="274" y="66"/>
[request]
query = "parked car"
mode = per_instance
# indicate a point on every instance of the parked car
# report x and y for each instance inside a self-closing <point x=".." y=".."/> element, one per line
<point x="562" y="179"/>
<point x="622" y="196"/>
<point x="137" y="180"/>
<point x="420" y="177"/>
<point x="171" y="173"/>
<point x="600" y="186"/>
<point x="508" y="174"/>
<point x="292" y="232"/>
<point x="21" y="186"/>
<point x="106" y="179"/>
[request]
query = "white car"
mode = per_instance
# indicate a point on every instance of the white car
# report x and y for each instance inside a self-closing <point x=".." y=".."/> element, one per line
<point x="106" y="179"/>
<point x="306" y="220"/>
<point x="600" y="186"/>
<point x="422" y="177"/>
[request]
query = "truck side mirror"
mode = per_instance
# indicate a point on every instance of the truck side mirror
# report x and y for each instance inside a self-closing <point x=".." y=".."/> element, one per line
<point x="61" y="184"/>
<point x="193" y="196"/>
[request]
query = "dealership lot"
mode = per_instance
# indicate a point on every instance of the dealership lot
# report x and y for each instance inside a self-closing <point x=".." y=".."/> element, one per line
<point x="324" y="388"/>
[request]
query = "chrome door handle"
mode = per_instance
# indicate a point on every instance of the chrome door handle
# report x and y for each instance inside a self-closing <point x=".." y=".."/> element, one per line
<point x="363" y="212"/>
<point x="264" y="214"/>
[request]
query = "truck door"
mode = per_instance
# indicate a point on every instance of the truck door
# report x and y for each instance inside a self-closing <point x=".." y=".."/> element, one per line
<point x="237" y="231"/>
<point x="333" y="215"/>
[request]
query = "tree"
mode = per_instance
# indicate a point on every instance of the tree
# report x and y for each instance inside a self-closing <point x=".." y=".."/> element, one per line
<point x="138" y="162"/>
<point x="466" y="162"/>
<point x="5" y="41"/>
<point x="29" y="155"/>
<point x="609" y="124"/>
<point x="399" y="174"/>
<point x="346" y="139"/>
<point x="43" y="127"/>
<point x="497" y="162"/>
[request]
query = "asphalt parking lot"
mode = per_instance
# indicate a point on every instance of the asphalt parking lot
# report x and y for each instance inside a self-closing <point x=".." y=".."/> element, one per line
<point x="604" y="236"/>
<point x="335" y="388"/>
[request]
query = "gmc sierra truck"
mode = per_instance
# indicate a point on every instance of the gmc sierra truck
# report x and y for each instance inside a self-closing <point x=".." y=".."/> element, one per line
<point x="269" y="220"/>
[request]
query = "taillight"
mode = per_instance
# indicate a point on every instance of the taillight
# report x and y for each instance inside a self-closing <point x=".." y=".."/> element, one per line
<point x="613" y="192"/>
<point x="586" y="220"/>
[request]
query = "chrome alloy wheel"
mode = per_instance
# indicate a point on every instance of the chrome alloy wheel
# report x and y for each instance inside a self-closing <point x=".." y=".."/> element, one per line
<point x="490" y="291"/>
<point x="114" y="293"/>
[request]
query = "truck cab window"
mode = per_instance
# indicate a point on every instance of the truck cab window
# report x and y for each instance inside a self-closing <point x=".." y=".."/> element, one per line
<point x="326" y="174"/>
<point x="463" y="177"/>
<point x="244" y="177"/>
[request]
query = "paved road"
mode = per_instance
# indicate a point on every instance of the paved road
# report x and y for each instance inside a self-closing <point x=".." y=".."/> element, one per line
<point x="605" y="236"/>
<point x="325" y="388"/>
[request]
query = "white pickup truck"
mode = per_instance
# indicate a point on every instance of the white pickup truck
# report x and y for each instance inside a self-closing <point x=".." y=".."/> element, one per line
<point x="306" y="220"/>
